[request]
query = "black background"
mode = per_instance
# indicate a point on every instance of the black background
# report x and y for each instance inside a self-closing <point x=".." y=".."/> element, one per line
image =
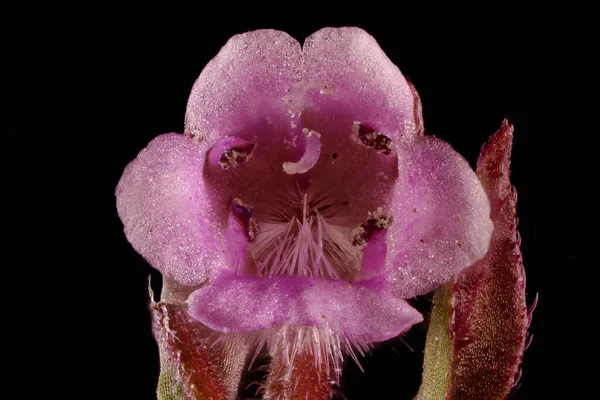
<point x="109" y="86"/>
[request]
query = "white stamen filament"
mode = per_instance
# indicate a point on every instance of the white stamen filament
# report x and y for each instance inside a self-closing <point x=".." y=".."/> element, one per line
<point x="312" y="151"/>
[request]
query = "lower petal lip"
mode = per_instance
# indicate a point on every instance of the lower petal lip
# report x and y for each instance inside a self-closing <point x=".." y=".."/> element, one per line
<point x="363" y="309"/>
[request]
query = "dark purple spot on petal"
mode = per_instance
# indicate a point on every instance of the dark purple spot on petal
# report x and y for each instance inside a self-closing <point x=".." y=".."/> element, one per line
<point x="243" y="213"/>
<point x="371" y="138"/>
<point x="237" y="154"/>
<point x="376" y="222"/>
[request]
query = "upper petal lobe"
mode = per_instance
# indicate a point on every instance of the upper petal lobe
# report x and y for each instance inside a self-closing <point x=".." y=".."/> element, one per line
<point x="243" y="84"/>
<point x="364" y="79"/>
<point x="253" y="72"/>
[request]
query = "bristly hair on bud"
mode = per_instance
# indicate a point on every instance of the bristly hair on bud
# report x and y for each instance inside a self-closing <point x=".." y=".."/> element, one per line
<point x="325" y="347"/>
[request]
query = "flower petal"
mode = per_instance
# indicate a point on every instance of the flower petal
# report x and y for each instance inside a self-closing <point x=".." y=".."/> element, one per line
<point x="252" y="73"/>
<point x="441" y="218"/>
<point x="241" y="303"/>
<point x="365" y="81"/>
<point x="161" y="201"/>
<point x="243" y="84"/>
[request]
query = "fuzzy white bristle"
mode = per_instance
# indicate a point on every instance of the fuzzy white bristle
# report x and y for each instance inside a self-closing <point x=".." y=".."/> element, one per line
<point x="301" y="235"/>
<point x="326" y="347"/>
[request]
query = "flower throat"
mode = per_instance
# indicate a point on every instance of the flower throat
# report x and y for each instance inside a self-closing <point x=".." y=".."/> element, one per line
<point x="305" y="235"/>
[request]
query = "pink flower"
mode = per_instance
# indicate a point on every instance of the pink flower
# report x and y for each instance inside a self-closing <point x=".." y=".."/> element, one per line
<point x="303" y="191"/>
